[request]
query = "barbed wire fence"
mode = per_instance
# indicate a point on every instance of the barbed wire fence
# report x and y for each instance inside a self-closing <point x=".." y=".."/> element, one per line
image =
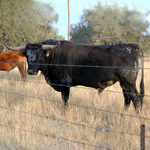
<point x="32" y="115"/>
<point x="31" y="125"/>
<point x="97" y="129"/>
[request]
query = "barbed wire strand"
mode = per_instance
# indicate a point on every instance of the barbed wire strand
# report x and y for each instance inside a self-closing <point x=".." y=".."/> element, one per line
<point x="79" y="66"/>
<point x="94" y="39"/>
<point x="63" y="85"/>
<point x="60" y="138"/>
<point x="80" y="106"/>
<point x="72" y="123"/>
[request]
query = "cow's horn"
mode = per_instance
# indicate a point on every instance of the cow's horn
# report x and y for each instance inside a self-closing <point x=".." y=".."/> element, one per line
<point x="22" y="48"/>
<point x="50" y="46"/>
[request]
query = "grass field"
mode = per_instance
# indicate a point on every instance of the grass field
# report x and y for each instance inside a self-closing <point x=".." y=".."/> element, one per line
<point x="32" y="117"/>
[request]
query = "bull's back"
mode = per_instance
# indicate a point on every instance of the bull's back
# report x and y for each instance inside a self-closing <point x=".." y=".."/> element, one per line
<point x="100" y="64"/>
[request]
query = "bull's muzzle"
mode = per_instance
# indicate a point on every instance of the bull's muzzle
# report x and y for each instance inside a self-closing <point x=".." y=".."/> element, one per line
<point x="32" y="72"/>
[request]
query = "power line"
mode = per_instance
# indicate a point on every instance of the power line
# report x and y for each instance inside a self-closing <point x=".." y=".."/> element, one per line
<point x="68" y="20"/>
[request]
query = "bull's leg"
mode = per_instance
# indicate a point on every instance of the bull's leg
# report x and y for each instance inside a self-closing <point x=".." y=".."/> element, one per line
<point x="65" y="94"/>
<point x="127" y="100"/>
<point x="132" y="94"/>
<point x="100" y="91"/>
<point x="137" y="102"/>
<point x="22" y="71"/>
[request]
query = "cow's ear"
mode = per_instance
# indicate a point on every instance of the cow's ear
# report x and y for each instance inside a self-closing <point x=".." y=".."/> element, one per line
<point x="22" y="54"/>
<point x="47" y="52"/>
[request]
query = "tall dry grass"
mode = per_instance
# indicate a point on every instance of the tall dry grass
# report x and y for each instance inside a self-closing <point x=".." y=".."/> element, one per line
<point x="33" y="118"/>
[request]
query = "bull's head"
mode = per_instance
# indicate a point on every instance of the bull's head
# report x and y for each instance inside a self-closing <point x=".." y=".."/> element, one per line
<point x="35" y="54"/>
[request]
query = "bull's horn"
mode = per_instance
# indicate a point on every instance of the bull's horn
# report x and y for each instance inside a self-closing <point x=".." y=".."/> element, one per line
<point x="50" y="46"/>
<point x="22" y="48"/>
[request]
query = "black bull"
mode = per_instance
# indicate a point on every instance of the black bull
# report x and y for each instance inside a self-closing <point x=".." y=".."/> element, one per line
<point x="66" y="64"/>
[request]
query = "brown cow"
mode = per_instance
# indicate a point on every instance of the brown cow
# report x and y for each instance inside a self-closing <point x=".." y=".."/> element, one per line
<point x="13" y="59"/>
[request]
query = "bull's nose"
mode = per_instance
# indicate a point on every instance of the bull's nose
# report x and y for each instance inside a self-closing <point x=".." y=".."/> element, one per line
<point x="32" y="72"/>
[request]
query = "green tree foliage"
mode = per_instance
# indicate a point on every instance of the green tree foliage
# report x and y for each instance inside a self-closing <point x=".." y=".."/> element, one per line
<point x="26" y="20"/>
<point x="104" y="24"/>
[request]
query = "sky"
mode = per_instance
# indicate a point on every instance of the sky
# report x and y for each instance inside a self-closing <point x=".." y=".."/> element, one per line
<point x="77" y="7"/>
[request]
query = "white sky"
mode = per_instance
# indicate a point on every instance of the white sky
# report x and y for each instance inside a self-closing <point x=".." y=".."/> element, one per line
<point x="77" y="6"/>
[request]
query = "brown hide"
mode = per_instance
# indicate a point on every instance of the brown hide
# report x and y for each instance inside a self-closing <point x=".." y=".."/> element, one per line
<point x="13" y="59"/>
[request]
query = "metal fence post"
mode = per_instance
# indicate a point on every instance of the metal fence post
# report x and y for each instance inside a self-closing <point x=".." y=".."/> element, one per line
<point x="142" y="136"/>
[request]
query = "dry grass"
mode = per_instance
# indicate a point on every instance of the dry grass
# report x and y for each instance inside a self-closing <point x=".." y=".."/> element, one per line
<point x="32" y="117"/>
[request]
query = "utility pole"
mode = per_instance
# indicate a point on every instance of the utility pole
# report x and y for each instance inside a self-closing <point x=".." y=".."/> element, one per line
<point x="57" y="33"/>
<point x="1" y="24"/>
<point x="68" y="20"/>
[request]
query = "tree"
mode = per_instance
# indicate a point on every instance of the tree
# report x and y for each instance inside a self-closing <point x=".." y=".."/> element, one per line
<point x="104" y="24"/>
<point x="26" y="20"/>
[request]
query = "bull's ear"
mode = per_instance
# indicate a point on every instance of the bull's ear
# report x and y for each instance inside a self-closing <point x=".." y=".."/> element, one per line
<point x="22" y="54"/>
<point x="47" y="52"/>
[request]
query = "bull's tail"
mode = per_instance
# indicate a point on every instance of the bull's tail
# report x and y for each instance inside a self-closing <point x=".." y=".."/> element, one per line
<point x="142" y="80"/>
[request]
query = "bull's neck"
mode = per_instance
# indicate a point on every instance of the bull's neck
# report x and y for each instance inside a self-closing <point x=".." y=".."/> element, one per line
<point x="49" y="61"/>
<point x="54" y="57"/>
